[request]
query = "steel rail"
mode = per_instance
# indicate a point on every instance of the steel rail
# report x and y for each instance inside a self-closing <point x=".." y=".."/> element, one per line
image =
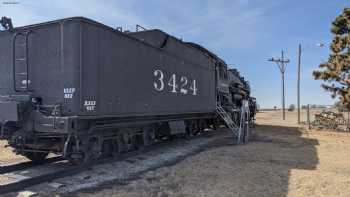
<point x="28" y="164"/>
<point x="72" y="170"/>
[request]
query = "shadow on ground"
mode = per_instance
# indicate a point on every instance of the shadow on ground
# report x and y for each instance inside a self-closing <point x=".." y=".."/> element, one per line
<point x="278" y="151"/>
<point x="261" y="168"/>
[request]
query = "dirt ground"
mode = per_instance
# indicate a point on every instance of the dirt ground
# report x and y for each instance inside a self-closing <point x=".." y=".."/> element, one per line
<point x="7" y="156"/>
<point x="281" y="160"/>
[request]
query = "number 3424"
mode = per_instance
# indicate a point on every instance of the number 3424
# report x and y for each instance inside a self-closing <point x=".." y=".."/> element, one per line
<point x="184" y="88"/>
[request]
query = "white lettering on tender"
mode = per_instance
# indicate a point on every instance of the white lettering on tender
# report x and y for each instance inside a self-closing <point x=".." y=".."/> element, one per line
<point x="90" y="105"/>
<point x="68" y="93"/>
<point x="158" y="84"/>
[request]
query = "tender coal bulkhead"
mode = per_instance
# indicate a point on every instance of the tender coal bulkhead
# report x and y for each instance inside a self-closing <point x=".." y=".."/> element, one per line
<point x="81" y="89"/>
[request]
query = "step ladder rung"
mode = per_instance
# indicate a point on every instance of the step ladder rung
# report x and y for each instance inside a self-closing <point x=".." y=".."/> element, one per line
<point x="228" y="120"/>
<point x="20" y="61"/>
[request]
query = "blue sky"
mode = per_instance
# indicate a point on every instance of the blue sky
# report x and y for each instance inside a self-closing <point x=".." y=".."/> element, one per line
<point x="243" y="33"/>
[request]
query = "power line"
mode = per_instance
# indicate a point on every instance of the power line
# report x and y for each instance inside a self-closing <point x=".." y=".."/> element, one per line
<point x="281" y="63"/>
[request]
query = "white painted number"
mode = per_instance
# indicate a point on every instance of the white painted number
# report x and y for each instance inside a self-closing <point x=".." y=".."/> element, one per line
<point x="90" y="105"/>
<point x="159" y="83"/>
<point x="193" y="87"/>
<point x="159" y="86"/>
<point x="184" y="82"/>
<point x="172" y="83"/>
<point x="68" y="93"/>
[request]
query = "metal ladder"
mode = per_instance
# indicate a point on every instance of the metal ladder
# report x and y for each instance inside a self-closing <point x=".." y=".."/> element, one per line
<point x="20" y="62"/>
<point x="229" y="122"/>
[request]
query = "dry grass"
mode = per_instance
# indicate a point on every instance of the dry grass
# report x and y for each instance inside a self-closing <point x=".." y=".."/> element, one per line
<point x="281" y="160"/>
<point x="7" y="156"/>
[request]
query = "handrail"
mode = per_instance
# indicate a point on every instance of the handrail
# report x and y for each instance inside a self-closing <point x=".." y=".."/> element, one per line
<point x="14" y="59"/>
<point x="138" y="27"/>
<point x="26" y="36"/>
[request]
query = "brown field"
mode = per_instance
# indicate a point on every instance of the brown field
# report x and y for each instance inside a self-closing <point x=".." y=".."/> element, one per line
<point x="7" y="156"/>
<point x="281" y="160"/>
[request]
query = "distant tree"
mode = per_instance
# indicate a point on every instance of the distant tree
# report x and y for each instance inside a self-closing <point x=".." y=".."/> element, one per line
<point x="336" y="71"/>
<point x="304" y="107"/>
<point x="291" y="107"/>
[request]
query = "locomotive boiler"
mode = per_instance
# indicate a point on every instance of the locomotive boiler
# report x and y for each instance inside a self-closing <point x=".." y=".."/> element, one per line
<point x="81" y="89"/>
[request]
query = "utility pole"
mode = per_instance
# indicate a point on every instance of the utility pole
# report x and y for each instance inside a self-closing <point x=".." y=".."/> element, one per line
<point x="281" y="63"/>
<point x="299" y="62"/>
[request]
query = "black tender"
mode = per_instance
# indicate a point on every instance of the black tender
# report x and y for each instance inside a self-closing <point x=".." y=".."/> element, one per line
<point x="81" y="89"/>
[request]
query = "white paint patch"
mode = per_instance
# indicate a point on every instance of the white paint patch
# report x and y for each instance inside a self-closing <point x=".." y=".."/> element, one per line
<point x="25" y="82"/>
<point x="27" y="194"/>
<point x="68" y="93"/>
<point x="90" y="105"/>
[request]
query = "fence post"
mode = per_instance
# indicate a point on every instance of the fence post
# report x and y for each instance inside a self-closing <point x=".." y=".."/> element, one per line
<point x="348" y="121"/>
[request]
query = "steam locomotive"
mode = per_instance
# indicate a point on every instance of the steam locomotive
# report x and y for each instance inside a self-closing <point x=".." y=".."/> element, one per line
<point x="84" y="90"/>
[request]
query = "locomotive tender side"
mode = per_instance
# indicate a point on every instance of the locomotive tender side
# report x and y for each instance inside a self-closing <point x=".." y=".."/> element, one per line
<point x="127" y="77"/>
<point x="83" y="89"/>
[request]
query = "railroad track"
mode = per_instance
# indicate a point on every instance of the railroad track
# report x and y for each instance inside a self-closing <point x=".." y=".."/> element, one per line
<point x="68" y="171"/>
<point x="72" y="170"/>
<point x="25" y="165"/>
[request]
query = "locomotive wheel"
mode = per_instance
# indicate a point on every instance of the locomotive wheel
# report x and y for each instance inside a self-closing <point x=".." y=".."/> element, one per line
<point x="188" y="130"/>
<point x="195" y="128"/>
<point x="188" y="134"/>
<point x="202" y="125"/>
<point x="94" y="149"/>
<point x="130" y="140"/>
<point x="216" y="124"/>
<point x="148" y="136"/>
<point x="91" y="148"/>
<point x="36" y="157"/>
<point x="108" y="148"/>
<point x="192" y="129"/>
<point x="121" y="143"/>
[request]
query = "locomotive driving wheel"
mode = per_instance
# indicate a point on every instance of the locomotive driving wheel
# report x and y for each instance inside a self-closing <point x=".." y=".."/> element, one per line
<point x="191" y="129"/>
<point x="148" y="136"/>
<point x="202" y="124"/>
